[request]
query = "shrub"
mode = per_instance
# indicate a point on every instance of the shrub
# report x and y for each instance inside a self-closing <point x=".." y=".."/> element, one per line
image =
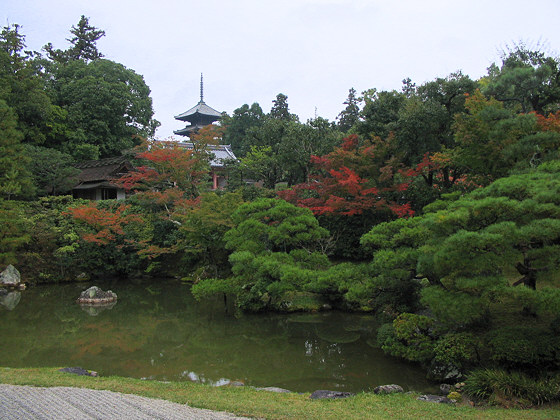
<point x="411" y="338"/>
<point x="525" y="347"/>
<point x="460" y="350"/>
<point x="511" y="388"/>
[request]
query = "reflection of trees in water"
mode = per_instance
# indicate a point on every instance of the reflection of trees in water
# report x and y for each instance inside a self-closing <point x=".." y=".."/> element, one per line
<point x="162" y="333"/>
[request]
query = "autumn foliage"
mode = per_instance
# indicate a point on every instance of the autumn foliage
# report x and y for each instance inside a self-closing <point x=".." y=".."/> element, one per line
<point x="350" y="180"/>
<point x="168" y="166"/>
<point x="107" y="224"/>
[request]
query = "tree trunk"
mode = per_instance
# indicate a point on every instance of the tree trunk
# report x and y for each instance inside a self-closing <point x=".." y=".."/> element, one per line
<point x="529" y="278"/>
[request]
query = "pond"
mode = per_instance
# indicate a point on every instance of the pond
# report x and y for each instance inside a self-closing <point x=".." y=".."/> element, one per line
<point x="158" y="331"/>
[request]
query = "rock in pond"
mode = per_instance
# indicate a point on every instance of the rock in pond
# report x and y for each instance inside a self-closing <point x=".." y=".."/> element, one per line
<point x="95" y="296"/>
<point x="330" y="395"/>
<point x="10" y="277"/>
<point x="434" y="399"/>
<point x="388" y="389"/>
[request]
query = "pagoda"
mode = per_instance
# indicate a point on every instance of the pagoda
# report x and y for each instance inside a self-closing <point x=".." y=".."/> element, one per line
<point x="198" y="116"/>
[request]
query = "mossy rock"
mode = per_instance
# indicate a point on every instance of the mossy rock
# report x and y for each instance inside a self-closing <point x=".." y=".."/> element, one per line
<point x="455" y="396"/>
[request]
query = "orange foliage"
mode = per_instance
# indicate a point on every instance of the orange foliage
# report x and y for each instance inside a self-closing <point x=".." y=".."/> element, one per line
<point x="550" y="123"/>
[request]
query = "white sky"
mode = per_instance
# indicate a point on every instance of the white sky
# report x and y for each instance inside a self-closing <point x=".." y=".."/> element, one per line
<point x="313" y="51"/>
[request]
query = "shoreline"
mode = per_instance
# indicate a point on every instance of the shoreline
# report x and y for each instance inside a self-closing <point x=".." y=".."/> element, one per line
<point x="253" y="403"/>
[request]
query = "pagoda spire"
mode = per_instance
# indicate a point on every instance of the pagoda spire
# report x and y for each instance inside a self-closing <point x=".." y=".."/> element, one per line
<point x="201" y="89"/>
<point x="199" y="115"/>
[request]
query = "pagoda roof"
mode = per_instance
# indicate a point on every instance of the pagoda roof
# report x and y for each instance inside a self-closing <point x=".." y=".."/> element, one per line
<point x="199" y="110"/>
<point x="189" y="129"/>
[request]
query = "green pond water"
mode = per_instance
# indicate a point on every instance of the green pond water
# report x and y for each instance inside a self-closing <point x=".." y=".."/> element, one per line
<point x="158" y="331"/>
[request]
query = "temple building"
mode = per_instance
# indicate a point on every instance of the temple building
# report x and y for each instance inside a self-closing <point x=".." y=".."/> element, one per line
<point x="200" y="116"/>
<point x="98" y="178"/>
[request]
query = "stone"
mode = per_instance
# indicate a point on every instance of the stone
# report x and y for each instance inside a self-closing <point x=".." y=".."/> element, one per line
<point x="10" y="277"/>
<point x="435" y="399"/>
<point x="330" y="395"/>
<point x="455" y="396"/>
<point x="79" y="371"/>
<point x="445" y="389"/>
<point x="95" y="296"/>
<point x="82" y="277"/>
<point x="274" y="389"/>
<point x="9" y="300"/>
<point x="459" y="385"/>
<point x="444" y="372"/>
<point x="388" y="389"/>
<point x="233" y="383"/>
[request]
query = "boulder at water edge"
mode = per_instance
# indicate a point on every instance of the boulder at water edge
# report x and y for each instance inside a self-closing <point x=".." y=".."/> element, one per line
<point x="10" y="277"/>
<point x="388" y="389"/>
<point x="435" y="399"/>
<point x="79" y="371"/>
<point x="330" y="395"/>
<point x="95" y="296"/>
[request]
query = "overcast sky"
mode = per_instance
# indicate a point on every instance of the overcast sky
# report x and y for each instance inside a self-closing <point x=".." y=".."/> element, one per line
<point x="313" y="51"/>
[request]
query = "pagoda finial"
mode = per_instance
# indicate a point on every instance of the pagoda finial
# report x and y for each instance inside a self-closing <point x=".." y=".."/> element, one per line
<point x="201" y="89"/>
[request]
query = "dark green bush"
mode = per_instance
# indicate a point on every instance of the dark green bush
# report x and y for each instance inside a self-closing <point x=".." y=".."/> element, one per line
<point x="510" y="388"/>
<point x="460" y="350"/>
<point x="528" y="348"/>
<point x="412" y="338"/>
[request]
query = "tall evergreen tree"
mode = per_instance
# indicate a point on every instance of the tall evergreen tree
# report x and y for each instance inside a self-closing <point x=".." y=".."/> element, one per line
<point x="351" y="114"/>
<point x="15" y="180"/>
<point x="84" y="44"/>
<point x="280" y="109"/>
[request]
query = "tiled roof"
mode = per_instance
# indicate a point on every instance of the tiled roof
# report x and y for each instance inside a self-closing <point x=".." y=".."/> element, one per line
<point x="221" y="152"/>
<point x="188" y="129"/>
<point x="200" y="108"/>
<point x="103" y="169"/>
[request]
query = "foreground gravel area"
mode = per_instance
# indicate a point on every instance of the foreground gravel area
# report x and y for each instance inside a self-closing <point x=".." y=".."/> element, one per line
<point x="26" y="402"/>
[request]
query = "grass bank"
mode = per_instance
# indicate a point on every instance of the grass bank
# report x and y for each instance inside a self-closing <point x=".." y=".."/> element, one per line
<point x="249" y="402"/>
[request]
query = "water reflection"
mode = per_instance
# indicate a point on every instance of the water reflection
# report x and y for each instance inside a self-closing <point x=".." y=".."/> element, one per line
<point x="160" y="332"/>
<point x="94" y="310"/>
<point x="10" y="300"/>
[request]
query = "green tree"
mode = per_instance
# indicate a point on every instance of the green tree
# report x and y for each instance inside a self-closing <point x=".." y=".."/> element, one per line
<point x="274" y="255"/>
<point x="204" y="223"/>
<point x="493" y="140"/>
<point x="351" y="114"/>
<point x="22" y="87"/>
<point x="380" y="113"/>
<point x="280" y="109"/>
<point x="109" y="107"/>
<point x="52" y="170"/>
<point x="238" y="126"/>
<point x="83" y="41"/>
<point x="527" y="80"/>
<point x="13" y="234"/>
<point x="15" y="180"/>
<point x="491" y="257"/>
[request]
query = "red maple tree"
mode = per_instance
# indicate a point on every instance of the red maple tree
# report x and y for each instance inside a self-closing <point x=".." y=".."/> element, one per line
<point x="352" y="179"/>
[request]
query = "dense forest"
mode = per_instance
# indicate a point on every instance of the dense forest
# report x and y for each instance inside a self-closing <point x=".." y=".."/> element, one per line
<point x="437" y="206"/>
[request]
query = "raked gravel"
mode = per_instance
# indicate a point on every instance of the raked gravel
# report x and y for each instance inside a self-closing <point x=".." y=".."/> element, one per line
<point x="33" y="403"/>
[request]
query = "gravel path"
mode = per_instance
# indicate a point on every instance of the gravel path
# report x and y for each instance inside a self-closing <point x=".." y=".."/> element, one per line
<point x="26" y="402"/>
